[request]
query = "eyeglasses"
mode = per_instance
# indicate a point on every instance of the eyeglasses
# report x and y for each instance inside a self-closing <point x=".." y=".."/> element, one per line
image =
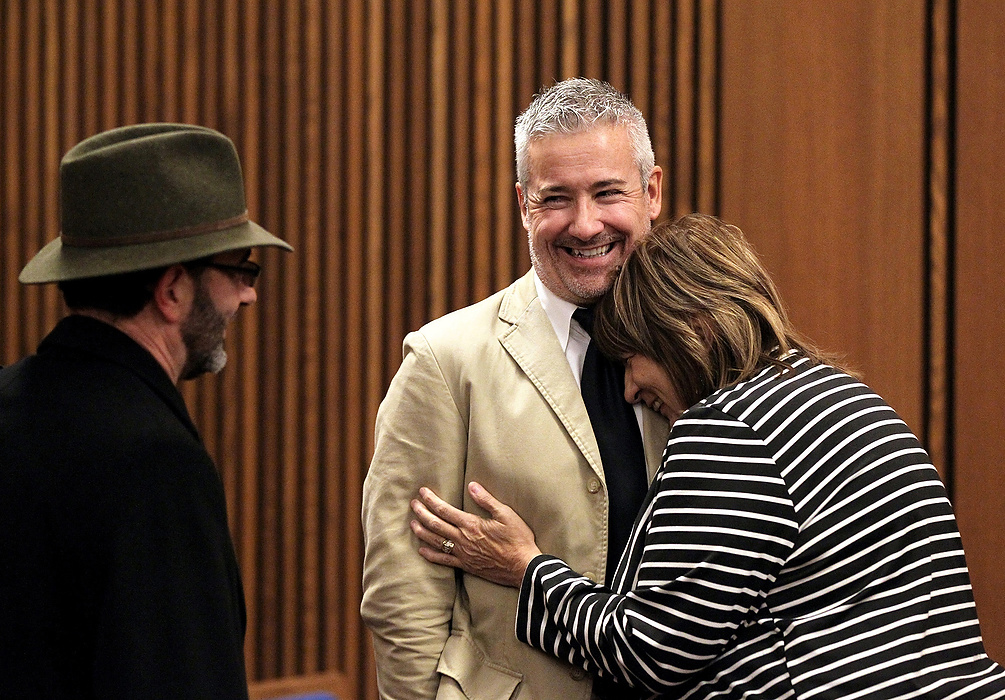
<point x="247" y="272"/>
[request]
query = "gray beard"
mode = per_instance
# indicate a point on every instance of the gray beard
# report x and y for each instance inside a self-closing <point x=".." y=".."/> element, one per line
<point x="202" y="332"/>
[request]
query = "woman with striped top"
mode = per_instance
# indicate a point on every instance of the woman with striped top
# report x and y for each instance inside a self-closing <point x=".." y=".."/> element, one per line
<point x="797" y="542"/>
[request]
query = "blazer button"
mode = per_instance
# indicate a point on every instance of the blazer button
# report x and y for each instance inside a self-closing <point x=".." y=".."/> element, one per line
<point x="590" y="575"/>
<point x="576" y="673"/>
<point x="593" y="486"/>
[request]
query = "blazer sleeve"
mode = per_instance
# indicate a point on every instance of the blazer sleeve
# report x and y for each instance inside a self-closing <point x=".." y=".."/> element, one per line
<point x="421" y="440"/>
<point x="714" y="536"/>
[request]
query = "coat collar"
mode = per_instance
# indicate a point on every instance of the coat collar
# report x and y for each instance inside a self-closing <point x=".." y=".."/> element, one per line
<point x="531" y="341"/>
<point x="83" y="334"/>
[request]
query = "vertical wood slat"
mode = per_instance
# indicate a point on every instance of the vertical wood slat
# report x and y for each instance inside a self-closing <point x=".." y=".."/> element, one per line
<point x="683" y="148"/>
<point x="52" y="152"/>
<point x="459" y="113"/>
<point x="503" y="194"/>
<point x="354" y="271"/>
<point x="937" y="409"/>
<point x="707" y="95"/>
<point x="439" y="153"/>
<point x="31" y="147"/>
<point x="483" y="107"/>
<point x="311" y="511"/>
<point x="420" y="204"/>
<point x="10" y="187"/>
<point x="333" y="401"/>
<point x="977" y="269"/>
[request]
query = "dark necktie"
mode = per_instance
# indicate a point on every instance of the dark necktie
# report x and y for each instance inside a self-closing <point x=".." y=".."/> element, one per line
<point x="617" y="430"/>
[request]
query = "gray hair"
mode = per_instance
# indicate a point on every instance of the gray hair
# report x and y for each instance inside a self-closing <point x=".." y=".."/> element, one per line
<point x="578" y="104"/>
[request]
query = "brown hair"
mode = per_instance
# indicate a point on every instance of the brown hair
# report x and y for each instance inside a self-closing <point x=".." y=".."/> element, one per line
<point x="694" y="297"/>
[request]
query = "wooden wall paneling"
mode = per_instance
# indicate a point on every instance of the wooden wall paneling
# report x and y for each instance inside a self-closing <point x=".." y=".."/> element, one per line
<point x="484" y="106"/>
<point x="31" y="153"/>
<point x="461" y="226"/>
<point x="506" y="226"/>
<point x="10" y="188"/>
<point x="569" y="44"/>
<point x="394" y="228"/>
<point x="616" y="68"/>
<point x="375" y="233"/>
<point x="546" y="54"/>
<point x="979" y="412"/>
<point x="706" y="194"/>
<point x="591" y="44"/>
<point x="312" y="356"/>
<point x="936" y="424"/>
<point x="680" y="185"/>
<point x="639" y="79"/>
<point x="107" y="42"/>
<point x="822" y="165"/>
<point x="334" y="406"/>
<point x="51" y="155"/>
<point x="354" y="271"/>
<point x="288" y="92"/>
<point x="418" y="170"/>
<point x="89" y="51"/>
<point x="148" y="93"/>
<point x="659" y="108"/>
<point x="440" y="197"/>
<point x="525" y="85"/>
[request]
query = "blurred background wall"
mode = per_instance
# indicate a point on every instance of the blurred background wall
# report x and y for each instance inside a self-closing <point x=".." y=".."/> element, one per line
<point x="860" y="144"/>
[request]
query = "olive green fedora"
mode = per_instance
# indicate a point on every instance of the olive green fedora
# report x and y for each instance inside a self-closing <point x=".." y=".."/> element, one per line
<point x="145" y="196"/>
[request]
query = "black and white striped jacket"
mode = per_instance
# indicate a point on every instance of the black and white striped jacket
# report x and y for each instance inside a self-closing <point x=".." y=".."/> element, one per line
<point x="797" y="543"/>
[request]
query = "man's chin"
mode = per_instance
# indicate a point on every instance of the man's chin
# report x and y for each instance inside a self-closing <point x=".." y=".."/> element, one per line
<point x="588" y="289"/>
<point x="212" y="363"/>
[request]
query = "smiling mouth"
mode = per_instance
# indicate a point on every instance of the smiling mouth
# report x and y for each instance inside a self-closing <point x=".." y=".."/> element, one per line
<point x="595" y="252"/>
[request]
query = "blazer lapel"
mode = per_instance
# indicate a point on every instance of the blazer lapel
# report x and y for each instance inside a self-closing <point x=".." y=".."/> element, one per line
<point x="532" y="344"/>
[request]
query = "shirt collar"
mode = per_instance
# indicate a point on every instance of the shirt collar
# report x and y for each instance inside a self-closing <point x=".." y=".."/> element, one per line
<point x="559" y="312"/>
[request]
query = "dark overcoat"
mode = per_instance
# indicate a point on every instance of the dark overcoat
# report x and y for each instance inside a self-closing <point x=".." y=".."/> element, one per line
<point x="118" y="577"/>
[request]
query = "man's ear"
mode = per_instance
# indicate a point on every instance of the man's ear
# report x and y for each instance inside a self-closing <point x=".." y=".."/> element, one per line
<point x="173" y="294"/>
<point x="522" y="203"/>
<point x="655" y="190"/>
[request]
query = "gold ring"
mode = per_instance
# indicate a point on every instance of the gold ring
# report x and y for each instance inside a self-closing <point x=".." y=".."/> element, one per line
<point x="447" y="546"/>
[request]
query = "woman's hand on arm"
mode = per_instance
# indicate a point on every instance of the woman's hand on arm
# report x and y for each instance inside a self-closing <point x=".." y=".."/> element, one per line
<point x="498" y="548"/>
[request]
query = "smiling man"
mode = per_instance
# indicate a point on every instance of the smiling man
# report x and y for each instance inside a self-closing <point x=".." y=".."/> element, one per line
<point x="492" y="393"/>
<point x="118" y="577"/>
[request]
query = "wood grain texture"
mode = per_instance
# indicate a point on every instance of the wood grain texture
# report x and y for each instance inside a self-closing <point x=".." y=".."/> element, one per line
<point x="979" y="337"/>
<point x="822" y="166"/>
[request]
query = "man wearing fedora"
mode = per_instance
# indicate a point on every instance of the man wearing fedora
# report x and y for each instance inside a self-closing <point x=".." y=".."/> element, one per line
<point x="118" y="576"/>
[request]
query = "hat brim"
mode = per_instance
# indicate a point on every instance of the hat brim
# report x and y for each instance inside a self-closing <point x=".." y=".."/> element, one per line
<point x="57" y="262"/>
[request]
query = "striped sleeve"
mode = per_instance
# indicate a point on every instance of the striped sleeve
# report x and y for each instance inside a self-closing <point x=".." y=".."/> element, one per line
<point x="717" y="529"/>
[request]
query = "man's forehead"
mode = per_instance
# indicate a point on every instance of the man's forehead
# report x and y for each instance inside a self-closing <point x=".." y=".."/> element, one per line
<point x="602" y="152"/>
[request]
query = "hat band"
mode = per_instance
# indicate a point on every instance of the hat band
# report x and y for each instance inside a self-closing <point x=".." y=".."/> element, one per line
<point x="155" y="236"/>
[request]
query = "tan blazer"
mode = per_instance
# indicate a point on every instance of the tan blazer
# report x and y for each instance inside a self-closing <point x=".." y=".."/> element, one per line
<point x="485" y="394"/>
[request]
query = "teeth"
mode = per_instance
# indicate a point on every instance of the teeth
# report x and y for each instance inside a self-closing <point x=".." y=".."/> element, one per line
<point x="657" y="405"/>
<point x="591" y="252"/>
